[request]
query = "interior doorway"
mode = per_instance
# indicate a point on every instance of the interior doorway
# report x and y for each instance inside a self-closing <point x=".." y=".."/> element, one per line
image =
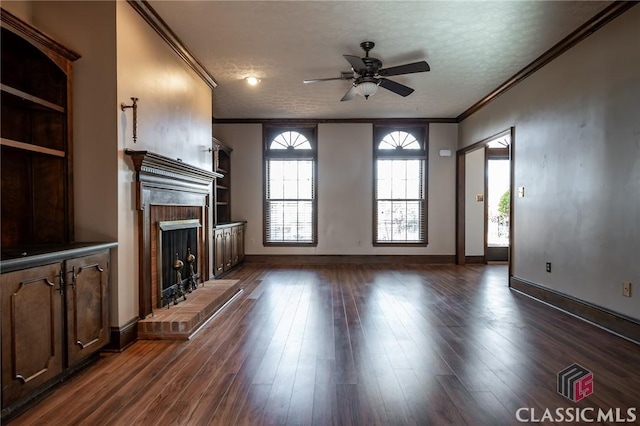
<point x="498" y="194"/>
<point x="495" y="226"/>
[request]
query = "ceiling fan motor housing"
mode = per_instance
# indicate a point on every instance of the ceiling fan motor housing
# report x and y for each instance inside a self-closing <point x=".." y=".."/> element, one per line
<point x="373" y="65"/>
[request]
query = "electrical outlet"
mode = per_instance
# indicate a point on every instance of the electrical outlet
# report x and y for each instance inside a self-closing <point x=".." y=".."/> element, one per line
<point x="626" y="289"/>
<point x="548" y="266"/>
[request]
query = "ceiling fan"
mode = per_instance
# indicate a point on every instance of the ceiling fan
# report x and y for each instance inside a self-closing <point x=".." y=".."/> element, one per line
<point x="367" y="74"/>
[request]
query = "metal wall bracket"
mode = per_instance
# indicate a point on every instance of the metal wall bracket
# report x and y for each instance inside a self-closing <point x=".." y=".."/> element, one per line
<point x="133" y="106"/>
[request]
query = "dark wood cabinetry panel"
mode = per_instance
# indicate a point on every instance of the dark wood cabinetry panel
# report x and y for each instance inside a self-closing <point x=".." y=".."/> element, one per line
<point x="31" y="70"/>
<point x="219" y="243"/>
<point x="229" y="235"/>
<point x="16" y="176"/>
<point x="54" y="309"/>
<point x="31" y="330"/>
<point x="35" y="87"/>
<point x="222" y="185"/>
<point x="239" y="244"/>
<point x="87" y="305"/>
<point x="34" y="198"/>
<point x="228" y="247"/>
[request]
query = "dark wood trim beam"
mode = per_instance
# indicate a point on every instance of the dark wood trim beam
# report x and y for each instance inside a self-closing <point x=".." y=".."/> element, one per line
<point x="160" y="26"/>
<point x="314" y="121"/>
<point x="626" y="327"/>
<point x="461" y="173"/>
<point x="275" y="259"/>
<point x="609" y="13"/>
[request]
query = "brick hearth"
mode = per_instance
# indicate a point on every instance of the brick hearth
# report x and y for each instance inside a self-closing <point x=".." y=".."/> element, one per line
<point x="180" y="321"/>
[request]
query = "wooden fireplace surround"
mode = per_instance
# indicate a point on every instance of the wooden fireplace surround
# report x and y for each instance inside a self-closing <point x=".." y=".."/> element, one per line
<point x="168" y="189"/>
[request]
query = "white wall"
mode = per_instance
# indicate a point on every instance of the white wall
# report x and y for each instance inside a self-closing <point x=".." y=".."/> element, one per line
<point x="577" y="153"/>
<point x="345" y="186"/>
<point x="474" y="210"/>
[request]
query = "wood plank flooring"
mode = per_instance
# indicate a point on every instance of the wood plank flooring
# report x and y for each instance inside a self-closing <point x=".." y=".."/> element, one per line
<point x="355" y="345"/>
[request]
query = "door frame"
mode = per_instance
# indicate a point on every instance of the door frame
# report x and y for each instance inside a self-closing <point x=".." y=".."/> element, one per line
<point x="461" y="193"/>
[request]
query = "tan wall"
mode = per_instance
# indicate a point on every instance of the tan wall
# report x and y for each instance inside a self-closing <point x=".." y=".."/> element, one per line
<point x="345" y="189"/>
<point x="174" y="119"/>
<point x="123" y="57"/>
<point x="94" y="117"/>
<point x="21" y="9"/>
<point x="577" y="154"/>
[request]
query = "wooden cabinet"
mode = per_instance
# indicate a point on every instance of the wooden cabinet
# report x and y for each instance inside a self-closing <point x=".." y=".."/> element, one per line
<point x="54" y="317"/>
<point x="222" y="186"/>
<point x="228" y="247"/>
<point x="35" y="77"/>
<point x="87" y="306"/>
<point x="31" y="330"/>
<point x="218" y="252"/>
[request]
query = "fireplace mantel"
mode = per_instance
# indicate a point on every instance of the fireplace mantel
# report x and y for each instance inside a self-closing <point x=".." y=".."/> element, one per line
<point x="158" y="170"/>
<point x="168" y="189"/>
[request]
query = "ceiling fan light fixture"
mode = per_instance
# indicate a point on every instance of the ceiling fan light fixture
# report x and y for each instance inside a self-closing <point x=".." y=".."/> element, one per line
<point x="367" y="88"/>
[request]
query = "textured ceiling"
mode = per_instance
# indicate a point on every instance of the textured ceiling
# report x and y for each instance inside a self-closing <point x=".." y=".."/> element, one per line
<point x="472" y="47"/>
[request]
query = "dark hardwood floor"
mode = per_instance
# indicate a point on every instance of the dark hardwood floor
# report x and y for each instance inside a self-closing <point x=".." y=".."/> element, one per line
<point x="356" y="345"/>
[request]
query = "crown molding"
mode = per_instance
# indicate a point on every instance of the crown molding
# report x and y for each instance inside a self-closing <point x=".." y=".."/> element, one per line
<point x="30" y="32"/>
<point x="157" y="23"/>
<point x="605" y="16"/>
<point x="298" y="121"/>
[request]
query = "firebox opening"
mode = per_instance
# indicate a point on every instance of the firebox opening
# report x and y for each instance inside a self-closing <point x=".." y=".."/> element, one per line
<point x="177" y="260"/>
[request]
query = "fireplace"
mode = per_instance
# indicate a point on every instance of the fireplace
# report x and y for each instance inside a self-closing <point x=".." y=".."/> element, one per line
<point x="169" y="191"/>
<point x="178" y="275"/>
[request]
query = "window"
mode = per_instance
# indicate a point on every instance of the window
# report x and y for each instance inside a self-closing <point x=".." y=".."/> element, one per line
<point x="290" y="207"/>
<point x="399" y="212"/>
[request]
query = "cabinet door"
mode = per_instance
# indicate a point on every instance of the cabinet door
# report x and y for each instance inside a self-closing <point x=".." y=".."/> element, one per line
<point x="240" y="243"/>
<point x="227" y="249"/>
<point x="235" y="258"/>
<point x="218" y="252"/>
<point x="87" y="305"/>
<point x="31" y="330"/>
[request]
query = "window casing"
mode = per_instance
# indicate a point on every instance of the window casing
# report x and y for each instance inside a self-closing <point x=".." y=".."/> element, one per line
<point x="400" y="186"/>
<point x="290" y="186"/>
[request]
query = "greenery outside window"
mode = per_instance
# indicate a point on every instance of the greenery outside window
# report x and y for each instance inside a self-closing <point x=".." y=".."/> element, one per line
<point x="400" y="170"/>
<point x="290" y="186"/>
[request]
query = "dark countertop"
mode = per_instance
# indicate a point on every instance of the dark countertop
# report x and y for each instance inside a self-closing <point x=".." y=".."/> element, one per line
<point x="16" y="258"/>
<point x="228" y="224"/>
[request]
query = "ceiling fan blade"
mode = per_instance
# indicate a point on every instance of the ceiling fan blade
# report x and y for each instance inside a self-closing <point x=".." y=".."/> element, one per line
<point x="356" y="63"/>
<point x="349" y="95"/>
<point x="421" y="66"/>
<point x="315" y="80"/>
<point x="398" y="88"/>
<point x="344" y="75"/>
